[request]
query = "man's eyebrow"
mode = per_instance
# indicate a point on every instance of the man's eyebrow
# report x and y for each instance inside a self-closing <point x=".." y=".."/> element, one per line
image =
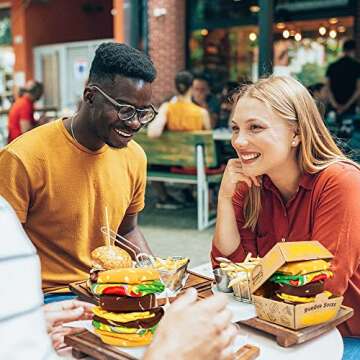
<point x="124" y="102"/>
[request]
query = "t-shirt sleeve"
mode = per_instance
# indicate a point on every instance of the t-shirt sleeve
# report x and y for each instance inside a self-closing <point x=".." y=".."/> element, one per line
<point x="337" y="226"/>
<point x="139" y="180"/>
<point x="247" y="237"/>
<point x="15" y="184"/>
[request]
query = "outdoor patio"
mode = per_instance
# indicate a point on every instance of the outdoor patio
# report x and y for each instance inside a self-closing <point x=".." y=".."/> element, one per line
<point x="173" y="232"/>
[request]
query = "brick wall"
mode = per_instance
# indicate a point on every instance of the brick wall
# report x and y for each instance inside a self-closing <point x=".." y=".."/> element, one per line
<point x="166" y="44"/>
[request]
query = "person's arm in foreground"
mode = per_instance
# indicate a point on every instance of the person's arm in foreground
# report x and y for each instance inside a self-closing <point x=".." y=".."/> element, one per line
<point x="62" y="312"/>
<point x="130" y="230"/>
<point x="227" y="237"/>
<point x="194" y="330"/>
<point x="337" y="226"/>
<point x="156" y="128"/>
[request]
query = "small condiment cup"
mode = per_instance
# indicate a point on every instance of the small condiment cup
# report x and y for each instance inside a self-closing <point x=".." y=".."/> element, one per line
<point x="222" y="280"/>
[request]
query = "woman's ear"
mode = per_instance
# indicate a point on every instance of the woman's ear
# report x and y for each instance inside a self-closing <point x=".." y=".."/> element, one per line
<point x="296" y="140"/>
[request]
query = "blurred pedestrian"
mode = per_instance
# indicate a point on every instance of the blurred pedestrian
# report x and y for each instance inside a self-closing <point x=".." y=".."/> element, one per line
<point x="21" y="115"/>
<point x="202" y="96"/>
<point x="178" y="114"/>
<point x="343" y="81"/>
<point x="319" y="92"/>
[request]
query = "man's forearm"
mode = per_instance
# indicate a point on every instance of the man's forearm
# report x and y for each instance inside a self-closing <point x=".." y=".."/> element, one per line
<point x="136" y="238"/>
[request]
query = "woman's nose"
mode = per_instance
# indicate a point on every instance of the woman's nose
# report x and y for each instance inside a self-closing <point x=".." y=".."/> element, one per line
<point x="240" y="140"/>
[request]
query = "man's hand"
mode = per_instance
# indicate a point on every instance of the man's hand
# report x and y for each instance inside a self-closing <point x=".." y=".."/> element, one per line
<point x="194" y="330"/>
<point x="61" y="312"/>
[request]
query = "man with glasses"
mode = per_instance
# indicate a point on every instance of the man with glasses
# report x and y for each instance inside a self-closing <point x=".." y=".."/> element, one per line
<point x="62" y="178"/>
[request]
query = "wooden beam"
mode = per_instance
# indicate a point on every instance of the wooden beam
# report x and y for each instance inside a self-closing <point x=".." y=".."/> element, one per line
<point x="118" y="15"/>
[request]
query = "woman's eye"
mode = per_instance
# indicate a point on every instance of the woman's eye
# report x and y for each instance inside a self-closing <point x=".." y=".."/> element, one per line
<point x="234" y="128"/>
<point x="255" y="127"/>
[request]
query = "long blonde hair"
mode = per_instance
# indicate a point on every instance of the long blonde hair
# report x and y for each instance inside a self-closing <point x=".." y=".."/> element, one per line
<point x="317" y="149"/>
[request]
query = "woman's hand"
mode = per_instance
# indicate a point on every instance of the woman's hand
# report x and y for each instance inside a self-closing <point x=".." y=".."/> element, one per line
<point x="234" y="174"/>
<point x="62" y="312"/>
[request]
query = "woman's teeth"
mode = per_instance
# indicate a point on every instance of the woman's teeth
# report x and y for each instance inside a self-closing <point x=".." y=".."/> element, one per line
<point x="250" y="156"/>
<point x="122" y="133"/>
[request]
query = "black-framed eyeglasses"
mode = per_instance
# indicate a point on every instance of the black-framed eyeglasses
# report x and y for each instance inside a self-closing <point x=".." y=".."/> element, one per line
<point x="127" y="112"/>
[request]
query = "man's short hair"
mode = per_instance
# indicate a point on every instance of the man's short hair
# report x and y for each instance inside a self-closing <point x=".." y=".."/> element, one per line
<point x="33" y="87"/>
<point x="349" y="45"/>
<point x="113" y="59"/>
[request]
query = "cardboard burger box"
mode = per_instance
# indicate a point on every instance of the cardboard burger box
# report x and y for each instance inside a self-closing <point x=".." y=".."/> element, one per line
<point x="289" y="315"/>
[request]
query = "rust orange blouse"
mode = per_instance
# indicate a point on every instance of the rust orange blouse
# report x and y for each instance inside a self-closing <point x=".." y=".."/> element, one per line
<point x="326" y="208"/>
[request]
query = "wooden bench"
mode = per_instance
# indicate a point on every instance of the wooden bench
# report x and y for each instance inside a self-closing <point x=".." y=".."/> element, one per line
<point x="185" y="149"/>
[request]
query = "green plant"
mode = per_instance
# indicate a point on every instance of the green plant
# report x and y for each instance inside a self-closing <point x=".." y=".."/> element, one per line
<point x="311" y="73"/>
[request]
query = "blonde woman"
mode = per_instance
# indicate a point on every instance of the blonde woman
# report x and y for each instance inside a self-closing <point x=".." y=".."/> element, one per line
<point x="290" y="182"/>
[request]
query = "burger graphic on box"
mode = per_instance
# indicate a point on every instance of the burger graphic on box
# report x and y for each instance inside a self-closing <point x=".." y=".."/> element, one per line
<point x="288" y="285"/>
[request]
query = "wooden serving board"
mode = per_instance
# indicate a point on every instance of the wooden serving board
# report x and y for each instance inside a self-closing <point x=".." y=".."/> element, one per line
<point x="87" y="344"/>
<point x="287" y="337"/>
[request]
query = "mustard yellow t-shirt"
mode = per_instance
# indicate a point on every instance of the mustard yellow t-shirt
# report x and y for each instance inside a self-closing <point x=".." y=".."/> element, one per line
<point x="59" y="190"/>
<point x="184" y="116"/>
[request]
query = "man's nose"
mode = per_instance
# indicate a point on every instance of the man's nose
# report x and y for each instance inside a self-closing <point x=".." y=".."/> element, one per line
<point x="134" y="123"/>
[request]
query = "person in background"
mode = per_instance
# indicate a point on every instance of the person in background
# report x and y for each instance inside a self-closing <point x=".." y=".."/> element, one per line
<point x="319" y="92"/>
<point x="201" y="95"/>
<point x="343" y="82"/>
<point x="226" y="104"/>
<point x="178" y="114"/>
<point x="63" y="178"/>
<point x="27" y="328"/>
<point x="21" y="114"/>
<point x="290" y="182"/>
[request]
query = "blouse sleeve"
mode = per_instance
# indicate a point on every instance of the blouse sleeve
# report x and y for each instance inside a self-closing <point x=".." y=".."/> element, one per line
<point x="247" y="237"/>
<point x="337" y="225"/>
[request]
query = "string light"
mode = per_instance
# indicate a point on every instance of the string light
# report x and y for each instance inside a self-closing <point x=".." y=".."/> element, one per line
<point x="286" y="34"/>
<point x="333" y="34"/>
<point x="322" y="30"/>
<point x="252" y="36"/>
<point x="297" y="37"/>
<point x="254" y="8"/>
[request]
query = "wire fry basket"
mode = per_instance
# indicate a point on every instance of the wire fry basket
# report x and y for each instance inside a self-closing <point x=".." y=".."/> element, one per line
<point x="240" y="277"/>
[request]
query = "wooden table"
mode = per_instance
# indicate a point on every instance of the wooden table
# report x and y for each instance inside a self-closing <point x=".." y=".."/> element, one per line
<point x="328" y="346"/>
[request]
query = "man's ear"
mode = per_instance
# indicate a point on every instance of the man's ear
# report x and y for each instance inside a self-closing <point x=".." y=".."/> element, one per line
<point x="88" y="95"/>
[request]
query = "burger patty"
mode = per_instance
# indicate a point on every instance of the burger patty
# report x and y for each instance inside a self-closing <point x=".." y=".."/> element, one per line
<point x="308" y="290"/>
<point x="124" y="304"/>
<point x="139" y="323"/>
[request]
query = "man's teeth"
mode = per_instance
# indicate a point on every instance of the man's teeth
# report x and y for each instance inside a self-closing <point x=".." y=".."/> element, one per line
<point x="250" y="156"/>
<point x="122" y="133"/>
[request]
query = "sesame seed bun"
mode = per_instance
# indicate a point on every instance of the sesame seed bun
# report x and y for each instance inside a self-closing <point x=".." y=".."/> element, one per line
<point x="110" y="257"/>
